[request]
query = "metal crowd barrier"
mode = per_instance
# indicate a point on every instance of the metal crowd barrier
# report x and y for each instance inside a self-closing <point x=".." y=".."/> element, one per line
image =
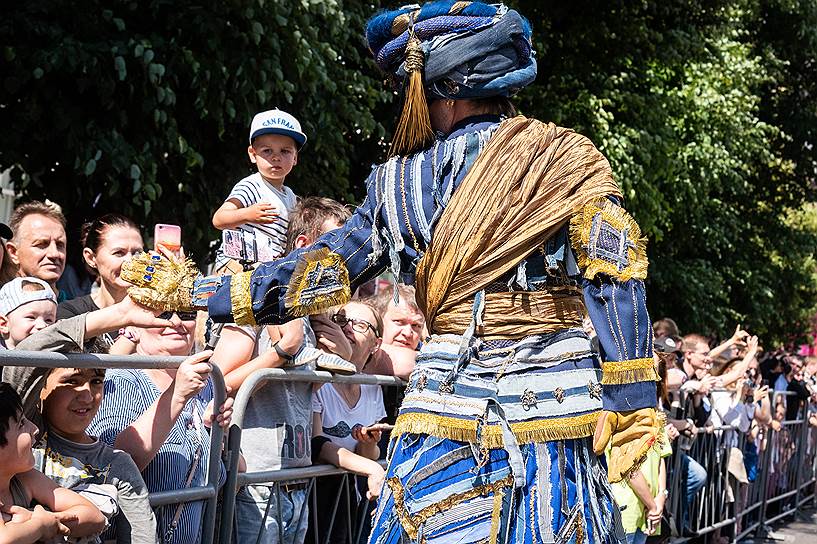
<point x="207" y="492"/>
<point x="785" y="479"/>
<point x="277" y="478"/>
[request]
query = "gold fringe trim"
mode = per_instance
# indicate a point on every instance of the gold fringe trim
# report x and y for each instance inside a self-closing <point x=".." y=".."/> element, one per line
<point x="160" y="283"/>
<point x="241" y="299"/>
<point x="656" y="440"/>
<point x="316" y="262"/>
<point x="616" y="216"/>
<point x="629" y="371"/>
<point x="526" y="432"/>
<point x="411" y="523"/>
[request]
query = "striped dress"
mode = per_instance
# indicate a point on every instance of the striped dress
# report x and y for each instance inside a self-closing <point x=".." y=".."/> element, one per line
<point x="128" y="394"/>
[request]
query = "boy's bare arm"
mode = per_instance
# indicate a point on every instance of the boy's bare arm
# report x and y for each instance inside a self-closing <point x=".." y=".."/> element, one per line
<point x="29" y="526"/>
<point x="232" y="214"/>
<point x="76" y="512"/>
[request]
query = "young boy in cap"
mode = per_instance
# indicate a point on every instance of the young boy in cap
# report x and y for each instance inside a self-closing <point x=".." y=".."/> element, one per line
<point x="259" y="205"/>
<point x="27" y="305"/>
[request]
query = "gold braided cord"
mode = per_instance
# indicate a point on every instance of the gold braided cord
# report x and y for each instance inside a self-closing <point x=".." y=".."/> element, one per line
<point x="526" y="432"/>
<point x="629" y="371"/>
<point x="523" y="188"/>
<point x="496" y="515"/>
<point x="402" y="22"/>
<point x="241" y="298"/>
<point x="411" y="523"/>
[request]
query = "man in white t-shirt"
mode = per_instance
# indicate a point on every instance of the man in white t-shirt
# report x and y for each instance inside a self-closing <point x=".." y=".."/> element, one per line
<point x="258" y="206"/>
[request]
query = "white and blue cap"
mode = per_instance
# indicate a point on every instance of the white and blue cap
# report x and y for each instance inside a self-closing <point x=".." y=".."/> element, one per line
<point x="16" y="293"/>
<point x="277" y="122"/>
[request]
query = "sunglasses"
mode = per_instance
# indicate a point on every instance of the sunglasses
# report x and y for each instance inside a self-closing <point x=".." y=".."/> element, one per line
<point x="184" y="316"/>
<point x="358" y="325"/>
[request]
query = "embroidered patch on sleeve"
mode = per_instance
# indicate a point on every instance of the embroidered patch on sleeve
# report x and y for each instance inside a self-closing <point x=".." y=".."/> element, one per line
<point x="607" y="240"/>
<point x="320" y="281"/>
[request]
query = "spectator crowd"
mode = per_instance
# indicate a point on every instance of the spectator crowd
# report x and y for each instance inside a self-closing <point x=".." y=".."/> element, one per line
<point x="81" y="449"/>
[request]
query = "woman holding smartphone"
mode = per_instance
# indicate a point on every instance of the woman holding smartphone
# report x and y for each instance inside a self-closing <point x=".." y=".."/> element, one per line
<point x="107" y="242"/>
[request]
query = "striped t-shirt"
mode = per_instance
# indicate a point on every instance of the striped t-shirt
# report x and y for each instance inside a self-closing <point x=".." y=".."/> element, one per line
<point x="270" y="238"/>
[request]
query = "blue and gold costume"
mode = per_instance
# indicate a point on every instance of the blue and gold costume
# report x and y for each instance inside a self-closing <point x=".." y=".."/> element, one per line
<point x="514" y="231"/>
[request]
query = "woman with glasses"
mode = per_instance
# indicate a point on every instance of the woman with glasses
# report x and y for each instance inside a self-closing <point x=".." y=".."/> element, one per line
<point x="162" y="418"/>
<point x="344" y="413"/>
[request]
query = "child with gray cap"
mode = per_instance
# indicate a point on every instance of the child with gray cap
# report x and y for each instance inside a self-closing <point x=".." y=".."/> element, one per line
<point x="255" y="215"/>
<point x="27" y="305"/>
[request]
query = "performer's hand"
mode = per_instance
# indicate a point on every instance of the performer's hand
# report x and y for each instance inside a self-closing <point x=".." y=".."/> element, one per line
<point x="631" y="434"/>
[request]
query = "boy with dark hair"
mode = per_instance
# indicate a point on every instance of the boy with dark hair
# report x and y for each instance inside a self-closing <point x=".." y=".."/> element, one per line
<point x="313" y="216"/>
<point x="21" y="487"/>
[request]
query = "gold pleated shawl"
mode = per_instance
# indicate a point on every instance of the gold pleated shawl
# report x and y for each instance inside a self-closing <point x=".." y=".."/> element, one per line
<point x="523" y="187"/>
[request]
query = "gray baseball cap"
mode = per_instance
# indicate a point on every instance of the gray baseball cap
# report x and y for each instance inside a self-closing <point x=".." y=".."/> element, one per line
<point x="12" y="294"/>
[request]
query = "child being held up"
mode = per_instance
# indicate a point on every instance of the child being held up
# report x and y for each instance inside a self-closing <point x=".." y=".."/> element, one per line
<point x="27" y="305"/>
<point x="21" y="487"/>
<point x="259" y="205"/>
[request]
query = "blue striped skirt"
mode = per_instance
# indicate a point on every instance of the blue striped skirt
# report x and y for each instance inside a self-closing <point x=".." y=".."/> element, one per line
<point x="493" y="445"/>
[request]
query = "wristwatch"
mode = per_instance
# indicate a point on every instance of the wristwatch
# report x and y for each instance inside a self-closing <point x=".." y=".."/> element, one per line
<point x="281" y="353"/>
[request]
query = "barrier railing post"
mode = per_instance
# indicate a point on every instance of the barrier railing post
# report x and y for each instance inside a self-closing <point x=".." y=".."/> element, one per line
<point x="214" y="466"/>
<point x="234" y="436"/>
<point x="763" y="476"/>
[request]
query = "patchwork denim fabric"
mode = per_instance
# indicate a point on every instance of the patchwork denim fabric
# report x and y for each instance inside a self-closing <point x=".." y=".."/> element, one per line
<point x="543" y="387"/>
<point x="441" y="491"/>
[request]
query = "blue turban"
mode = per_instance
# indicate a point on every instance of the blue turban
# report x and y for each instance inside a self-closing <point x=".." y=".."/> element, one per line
<point x="471" y="49"/>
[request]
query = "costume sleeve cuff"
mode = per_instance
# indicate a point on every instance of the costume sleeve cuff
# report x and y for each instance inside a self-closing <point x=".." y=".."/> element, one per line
<point x="319" y="282"/>
<point x="241" y="299"/>
<point x="631" y="396"/>
<point x="219" y="305"/>
<point x="629" y="371"/>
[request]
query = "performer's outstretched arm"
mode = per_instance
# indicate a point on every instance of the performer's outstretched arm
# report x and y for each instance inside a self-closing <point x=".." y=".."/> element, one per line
<point x="307" y="280"/>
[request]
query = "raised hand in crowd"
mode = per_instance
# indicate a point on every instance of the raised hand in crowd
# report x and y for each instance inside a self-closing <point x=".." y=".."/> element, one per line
<point x="738" y="339"/>
<point x="331" y="337"/>
<point x="760" y="394"/>
<point x="672" y="431"/>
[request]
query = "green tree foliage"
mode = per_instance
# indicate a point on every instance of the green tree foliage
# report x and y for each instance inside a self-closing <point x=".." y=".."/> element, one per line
<point x="144" y="107"/>
<point x="694" y="103"/>
<point x="705" y="109"/>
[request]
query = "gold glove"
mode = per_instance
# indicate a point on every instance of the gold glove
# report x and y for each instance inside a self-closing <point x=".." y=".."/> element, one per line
<point x="161" y="283"/>
<point x="631" y="435"/>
